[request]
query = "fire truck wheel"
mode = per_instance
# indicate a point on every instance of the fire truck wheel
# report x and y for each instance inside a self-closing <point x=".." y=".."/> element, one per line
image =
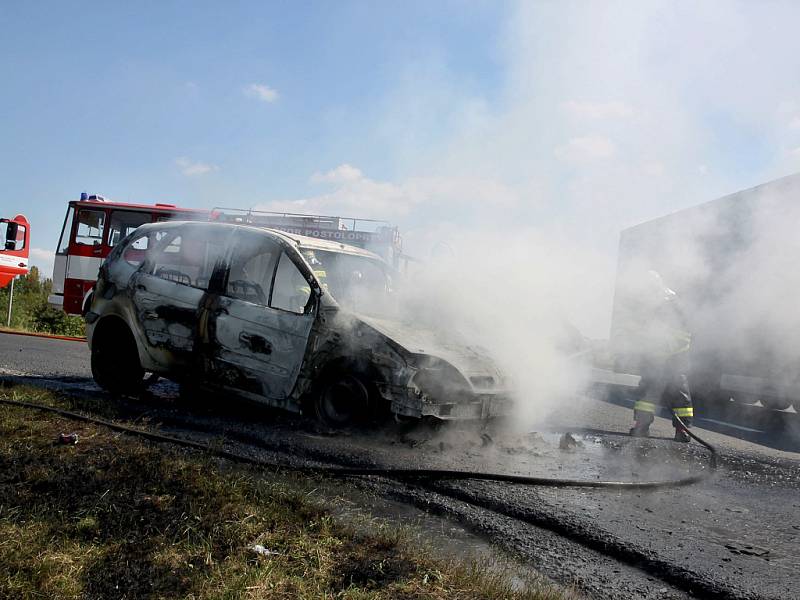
<point x="343" y="400"/>
<point x="115" y="360"/>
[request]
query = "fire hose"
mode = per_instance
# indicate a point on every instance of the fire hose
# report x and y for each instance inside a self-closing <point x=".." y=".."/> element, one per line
<point x="391" y="473"/>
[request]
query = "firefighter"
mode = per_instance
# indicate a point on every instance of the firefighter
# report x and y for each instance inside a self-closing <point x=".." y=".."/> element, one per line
<point x="657" y="343"/>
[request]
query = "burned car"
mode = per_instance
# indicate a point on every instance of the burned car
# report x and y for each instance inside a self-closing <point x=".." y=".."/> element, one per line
<point x="282" y="319"/>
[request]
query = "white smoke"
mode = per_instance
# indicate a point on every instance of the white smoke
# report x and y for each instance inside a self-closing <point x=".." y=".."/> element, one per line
<point x="610" y="114"/>
<point x="513" y="297"/>
<point x="731" y="263"/>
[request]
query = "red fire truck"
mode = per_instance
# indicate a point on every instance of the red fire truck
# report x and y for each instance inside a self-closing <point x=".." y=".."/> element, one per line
<point x="94" y="225"/>
<point x="15" y="235"/>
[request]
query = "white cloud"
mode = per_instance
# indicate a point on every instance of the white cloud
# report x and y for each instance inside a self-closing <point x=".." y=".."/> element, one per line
<point x="795" y="123"/>
<point x="344" y="173"/>
<point x="357" y="195"/>
<point x="42" y="254"/>
<point x="587" y="148"/>
<point x="43" y="260"/>
<point x="597" y="110"/>
<point x="261" y="92"/>
<point x="192" y="168"/>
<point x="354" y="195"/>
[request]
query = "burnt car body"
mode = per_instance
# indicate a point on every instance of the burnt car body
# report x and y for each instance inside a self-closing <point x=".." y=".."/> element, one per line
<point x="282" y="319"/>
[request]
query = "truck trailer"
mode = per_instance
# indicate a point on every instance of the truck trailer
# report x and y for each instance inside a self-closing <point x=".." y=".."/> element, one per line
<point x="733" y="263"/>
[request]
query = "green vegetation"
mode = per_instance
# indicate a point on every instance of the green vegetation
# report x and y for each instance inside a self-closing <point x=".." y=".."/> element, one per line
<point x="118" y="517"/>
<point x="31" y="312"/>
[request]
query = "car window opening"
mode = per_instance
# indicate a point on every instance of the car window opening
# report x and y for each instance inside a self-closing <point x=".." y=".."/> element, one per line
<point x="185" y="260"/>
<point x="357" y="283"/>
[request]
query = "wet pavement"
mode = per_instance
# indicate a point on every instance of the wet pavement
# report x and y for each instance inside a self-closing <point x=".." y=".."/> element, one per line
<point x="736" y="535"/>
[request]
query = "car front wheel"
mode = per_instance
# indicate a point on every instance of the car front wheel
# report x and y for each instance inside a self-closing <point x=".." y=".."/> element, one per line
<point x="342" y="400"/>
<point x="115" y="362"/>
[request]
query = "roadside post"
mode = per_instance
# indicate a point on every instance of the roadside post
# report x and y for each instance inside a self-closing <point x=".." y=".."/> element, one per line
<point x="10" y="302"/>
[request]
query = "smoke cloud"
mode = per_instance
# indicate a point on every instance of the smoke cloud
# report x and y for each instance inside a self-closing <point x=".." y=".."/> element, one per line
<point x="609" y="115"/>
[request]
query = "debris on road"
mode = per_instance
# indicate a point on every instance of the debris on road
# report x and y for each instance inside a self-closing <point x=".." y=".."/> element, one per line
<point x="746" y="549"/>
<point x="569" y="442"/>
<point x="263" y="551"/>
<point x="68" y="438"/>
<point x="736" y="509"/>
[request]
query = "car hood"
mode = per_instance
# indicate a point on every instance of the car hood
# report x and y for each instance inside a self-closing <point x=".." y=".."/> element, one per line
<point x="473" y="362"/>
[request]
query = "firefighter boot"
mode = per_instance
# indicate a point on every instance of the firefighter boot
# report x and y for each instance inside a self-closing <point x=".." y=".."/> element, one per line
<point x="640" y="429"/>
<point x="682" y="435"/>
<point x="642" y="419"/>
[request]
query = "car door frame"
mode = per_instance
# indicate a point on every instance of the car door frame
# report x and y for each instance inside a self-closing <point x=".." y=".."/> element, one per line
<point x="269" y="370"/>
<point x="165" y="310"/>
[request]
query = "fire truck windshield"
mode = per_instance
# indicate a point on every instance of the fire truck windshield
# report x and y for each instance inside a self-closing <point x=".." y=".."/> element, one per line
<point x="12" y="236"/>
<point x="91" y="225"/>
<point x="124" y="222"/>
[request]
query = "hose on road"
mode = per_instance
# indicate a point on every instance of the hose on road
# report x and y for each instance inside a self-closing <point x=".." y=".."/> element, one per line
<point x="392" y="473"/>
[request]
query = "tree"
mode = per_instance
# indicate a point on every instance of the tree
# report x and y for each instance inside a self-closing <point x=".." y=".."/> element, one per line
<point x="31" y="312"/>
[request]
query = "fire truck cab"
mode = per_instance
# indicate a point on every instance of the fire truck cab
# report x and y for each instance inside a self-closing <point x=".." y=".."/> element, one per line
<point x="92" y="227"/>
<point x="15" y="237"/>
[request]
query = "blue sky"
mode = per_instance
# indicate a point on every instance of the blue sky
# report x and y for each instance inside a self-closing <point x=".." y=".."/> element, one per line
<point x="567" y="120"/>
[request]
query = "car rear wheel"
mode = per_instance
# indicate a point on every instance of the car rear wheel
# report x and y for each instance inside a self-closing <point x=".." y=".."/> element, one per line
<point x="343" y="400"/>
<point x="115" y="361"/>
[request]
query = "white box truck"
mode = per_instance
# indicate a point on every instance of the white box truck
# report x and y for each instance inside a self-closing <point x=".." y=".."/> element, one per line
<point x="735" y="264"/>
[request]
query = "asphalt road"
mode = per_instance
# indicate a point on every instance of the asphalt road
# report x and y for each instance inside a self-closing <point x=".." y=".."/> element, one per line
<point x="45" y="357"/>
<point x="736" y="535"/>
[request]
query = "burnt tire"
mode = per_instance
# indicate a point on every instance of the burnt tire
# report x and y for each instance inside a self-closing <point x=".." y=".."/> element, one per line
<point x="115" y="361"/>
<point x="343" y="400"/>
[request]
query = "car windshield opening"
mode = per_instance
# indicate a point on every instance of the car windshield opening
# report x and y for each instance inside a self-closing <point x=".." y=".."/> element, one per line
<point x="358" y="283"/>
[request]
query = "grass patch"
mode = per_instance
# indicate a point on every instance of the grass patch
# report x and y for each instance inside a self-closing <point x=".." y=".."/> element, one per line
<point x="118" y="517"/>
